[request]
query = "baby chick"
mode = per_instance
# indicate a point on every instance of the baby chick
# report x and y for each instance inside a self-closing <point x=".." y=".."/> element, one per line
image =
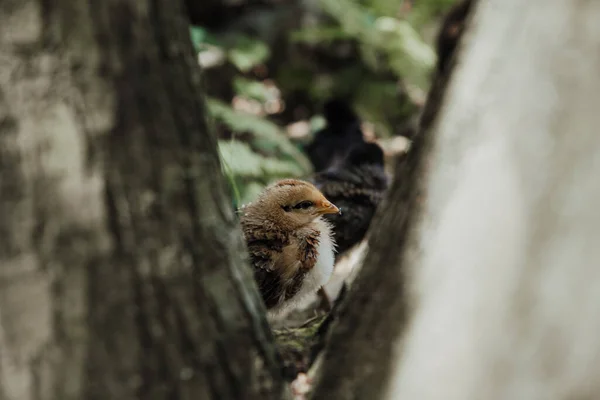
<point x="331" y="144"/>
<point x="357" y="186"/>
<point x="291" y="246"/>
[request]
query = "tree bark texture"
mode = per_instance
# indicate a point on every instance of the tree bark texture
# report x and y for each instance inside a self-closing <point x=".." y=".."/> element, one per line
<point x="121" y="267"/>
<point x="501" y="262"/>
<point x="508" y="281"/>
<point x="358" y="360"/>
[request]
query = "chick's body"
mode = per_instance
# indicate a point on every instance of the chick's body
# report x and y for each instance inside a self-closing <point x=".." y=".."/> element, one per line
<point x="291" y="246"/>
<point x="332" y="143"/>
<point x="357" y="187"/>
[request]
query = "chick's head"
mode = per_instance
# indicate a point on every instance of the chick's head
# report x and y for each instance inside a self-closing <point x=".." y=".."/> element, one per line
<point x="293" y="203"/>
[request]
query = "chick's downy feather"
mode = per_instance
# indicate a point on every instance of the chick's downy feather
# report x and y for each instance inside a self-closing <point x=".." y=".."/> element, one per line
<point x="357" y="186"/>
<point x="332" y="143"/>
<point x="290" y="245"/>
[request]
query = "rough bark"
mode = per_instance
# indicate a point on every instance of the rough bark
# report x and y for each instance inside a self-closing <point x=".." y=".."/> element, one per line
<point x="501" y="257"/>
<point x="120" y="261"/>
<point x="358" y="358"/>
<point x="509" y="252"/>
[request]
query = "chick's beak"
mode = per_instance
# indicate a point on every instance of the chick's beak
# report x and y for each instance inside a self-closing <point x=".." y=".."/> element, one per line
<point x="328" y="208"/>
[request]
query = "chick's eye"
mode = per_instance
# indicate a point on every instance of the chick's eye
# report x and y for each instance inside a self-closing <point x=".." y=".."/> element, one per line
<point x="303" y="205"/>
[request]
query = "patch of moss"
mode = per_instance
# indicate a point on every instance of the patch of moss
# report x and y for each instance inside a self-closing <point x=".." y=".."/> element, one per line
<point x="297" y="345"/>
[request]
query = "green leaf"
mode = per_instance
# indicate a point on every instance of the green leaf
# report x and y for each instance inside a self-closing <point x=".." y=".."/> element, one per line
<point x="409" y="56"/>
<point x="315" y="35"/>
<point x="198" y="34"/>
<point x="244" y="162"/>
<point x="202" y="37"/>
<point x="247" y="52"/>
<point x="240" y="159"/>
<point x="230" y="175"/>
<point x="252" y="89"/>
<point x="386" y="7"/>
<point x="260" y="127"/>
<point x="317" y="122"/>
<point x="424" y="11"/>
<point x="379" y="102"/>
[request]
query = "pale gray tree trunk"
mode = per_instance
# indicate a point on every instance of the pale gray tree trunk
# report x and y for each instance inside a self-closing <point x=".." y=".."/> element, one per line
<point x="497" y="294"/>
<point x="358" y="361"/>
<point x="121" y="270"/>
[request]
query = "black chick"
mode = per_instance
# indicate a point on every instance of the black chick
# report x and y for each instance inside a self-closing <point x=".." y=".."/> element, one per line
<point x="451" y="32"/>
<point x="356" y="186"/>
<point x="332" y="143"/>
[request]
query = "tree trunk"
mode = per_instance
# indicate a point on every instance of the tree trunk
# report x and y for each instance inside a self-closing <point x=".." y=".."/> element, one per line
<point x="121" y="266"/>
<point x="502" y="257"/>
<point x="512" y="210"/>
<point x="357" y="360"/>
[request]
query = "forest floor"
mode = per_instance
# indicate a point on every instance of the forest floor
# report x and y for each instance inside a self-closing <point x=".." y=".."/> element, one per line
<point x="301" y="333"/>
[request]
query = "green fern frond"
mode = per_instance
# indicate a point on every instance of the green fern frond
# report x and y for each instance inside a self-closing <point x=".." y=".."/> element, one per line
<point x="261" y="128"/>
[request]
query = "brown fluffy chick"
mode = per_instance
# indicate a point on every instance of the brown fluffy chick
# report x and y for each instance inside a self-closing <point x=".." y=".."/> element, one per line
<point x="291" y="246"/>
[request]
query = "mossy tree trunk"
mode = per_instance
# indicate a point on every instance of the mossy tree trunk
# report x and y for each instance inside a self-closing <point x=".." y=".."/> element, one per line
<point x="121" y="267"/>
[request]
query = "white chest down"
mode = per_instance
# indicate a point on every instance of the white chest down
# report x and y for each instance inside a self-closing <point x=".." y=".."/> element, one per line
<point x="323" y="269"/>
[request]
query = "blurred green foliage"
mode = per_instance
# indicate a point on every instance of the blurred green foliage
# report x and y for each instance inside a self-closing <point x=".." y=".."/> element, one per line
<point x="402" y="48"/>
<point x="268" y="156"/>
<point x="371" y="52"/>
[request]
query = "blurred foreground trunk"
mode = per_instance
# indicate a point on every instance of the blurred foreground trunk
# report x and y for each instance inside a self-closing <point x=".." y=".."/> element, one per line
<point x="358" y="358"/>
<point x="120" y="262"/>
<point x="499" y="285"/>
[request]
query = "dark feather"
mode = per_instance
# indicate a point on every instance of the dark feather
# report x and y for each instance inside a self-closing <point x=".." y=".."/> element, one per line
<point x="263" y="245"/>
<point x="308" y="250"/>
<point x="357" y="187"/>
<point x="332" y="143"/>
